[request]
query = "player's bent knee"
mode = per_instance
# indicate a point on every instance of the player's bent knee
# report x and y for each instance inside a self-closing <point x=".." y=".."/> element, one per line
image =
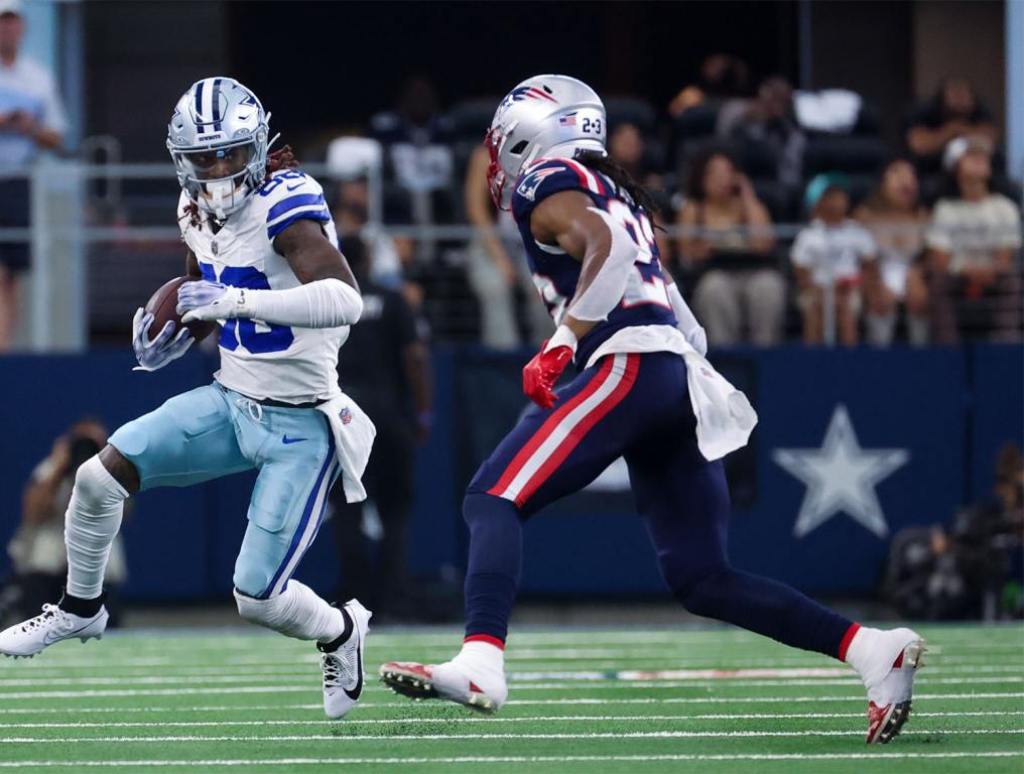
<point x="264" y="612"/>
<point x="479" y="505"/>
<point x="700" y="592"/>
<point x="250" y="582"/>
<point x="95" y="487"/>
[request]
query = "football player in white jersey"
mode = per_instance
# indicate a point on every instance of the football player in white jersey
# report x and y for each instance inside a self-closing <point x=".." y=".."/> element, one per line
<point x="263" y="252"/>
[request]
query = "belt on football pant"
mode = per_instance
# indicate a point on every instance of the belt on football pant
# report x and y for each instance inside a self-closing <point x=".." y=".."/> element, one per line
<point x="278" y="403"/>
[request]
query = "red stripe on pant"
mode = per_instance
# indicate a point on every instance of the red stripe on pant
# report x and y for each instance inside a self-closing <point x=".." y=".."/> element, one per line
<point x="579" y="432"/>
<point x="548" y="427"/>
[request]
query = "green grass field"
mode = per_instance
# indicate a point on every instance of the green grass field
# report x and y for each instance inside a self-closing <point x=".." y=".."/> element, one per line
<point x="580" y="702"/>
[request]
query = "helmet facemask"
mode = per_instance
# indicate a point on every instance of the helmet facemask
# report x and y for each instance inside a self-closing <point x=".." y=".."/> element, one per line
<point x="497" y="176"/>
<point x="218" y="179"/>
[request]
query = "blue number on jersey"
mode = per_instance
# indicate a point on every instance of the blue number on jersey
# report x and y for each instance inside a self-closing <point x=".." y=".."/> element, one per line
<point x="292" y="174"/>
<point x="277" y="339"/>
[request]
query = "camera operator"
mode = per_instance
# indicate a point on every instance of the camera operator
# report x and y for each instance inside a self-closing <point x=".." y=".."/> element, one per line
<point x="37" y="550"/>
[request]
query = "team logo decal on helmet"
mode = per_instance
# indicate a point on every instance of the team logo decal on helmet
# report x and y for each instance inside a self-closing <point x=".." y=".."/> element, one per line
<point x="547" y="116"/>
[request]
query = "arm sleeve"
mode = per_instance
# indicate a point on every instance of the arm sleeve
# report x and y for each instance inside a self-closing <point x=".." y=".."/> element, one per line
<point x="326" y="303"/>
<point x="801" y="254"/>
<point x="604" y="293"/>
<point x="692" y="330"/>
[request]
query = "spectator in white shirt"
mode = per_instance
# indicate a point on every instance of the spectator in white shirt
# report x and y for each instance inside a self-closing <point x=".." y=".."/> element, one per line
<point x="31" y="118"/>
<point x="829" y="252"/>
<point x="973" y="237"/>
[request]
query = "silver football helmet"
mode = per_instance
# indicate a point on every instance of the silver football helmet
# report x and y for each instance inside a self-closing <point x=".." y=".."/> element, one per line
<point x="218" y="138"/>
<point x="544" y="116"/>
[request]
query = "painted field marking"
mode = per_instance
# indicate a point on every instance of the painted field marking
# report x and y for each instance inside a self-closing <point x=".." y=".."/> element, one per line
<point x="484" y="737"/>
<point x="512" y="702"/>
<point x="515" y="759"/>
<point x="499" y="720"/>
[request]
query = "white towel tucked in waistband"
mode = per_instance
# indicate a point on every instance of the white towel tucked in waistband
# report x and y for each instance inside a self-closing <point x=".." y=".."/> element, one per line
<point x="353" y="440"/>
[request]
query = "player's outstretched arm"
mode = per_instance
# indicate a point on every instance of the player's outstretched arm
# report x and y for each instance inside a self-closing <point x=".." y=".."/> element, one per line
<point x="328" y="297"/>
<point x="569" y="220"/>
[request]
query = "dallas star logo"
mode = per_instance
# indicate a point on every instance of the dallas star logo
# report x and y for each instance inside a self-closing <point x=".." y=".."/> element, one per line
<point x="841" y="477"/>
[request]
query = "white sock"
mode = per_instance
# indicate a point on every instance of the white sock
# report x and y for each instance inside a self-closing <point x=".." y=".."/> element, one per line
<point x="872" y="652"/>
<point x="296" y="612"/>
<point x="90" y="524"/>
<point x="478" y="656"/>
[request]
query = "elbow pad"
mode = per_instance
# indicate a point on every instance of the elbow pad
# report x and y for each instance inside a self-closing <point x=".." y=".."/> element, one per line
<point x="606" y="290"/>
<point x="326" y="303"/>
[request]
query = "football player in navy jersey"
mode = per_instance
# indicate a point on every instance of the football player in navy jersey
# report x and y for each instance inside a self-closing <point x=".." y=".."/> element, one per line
<point x="644" y="392"/>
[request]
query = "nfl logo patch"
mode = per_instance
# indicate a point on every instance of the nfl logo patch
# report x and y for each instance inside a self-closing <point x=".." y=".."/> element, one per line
<point x="346" y="415"/>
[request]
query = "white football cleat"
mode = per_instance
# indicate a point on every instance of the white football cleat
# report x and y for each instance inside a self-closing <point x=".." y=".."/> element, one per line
<point x="450" y="680"/>
<point x="30" y="637"/>
<point x="343" y="667"/>
<point x="890" y="698"/>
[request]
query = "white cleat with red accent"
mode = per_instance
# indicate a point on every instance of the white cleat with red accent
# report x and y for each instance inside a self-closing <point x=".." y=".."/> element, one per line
<point x="450" y="680"/>
<point x="890" y="690"/>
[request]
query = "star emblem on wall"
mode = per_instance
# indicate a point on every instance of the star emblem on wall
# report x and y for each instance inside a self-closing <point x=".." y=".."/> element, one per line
<point x="841" y="477"/>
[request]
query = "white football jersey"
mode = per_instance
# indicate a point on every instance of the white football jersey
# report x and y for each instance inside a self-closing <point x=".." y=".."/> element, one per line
<point x="258" y="359"/>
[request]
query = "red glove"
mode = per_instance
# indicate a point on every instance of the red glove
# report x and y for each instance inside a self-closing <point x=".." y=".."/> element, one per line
<point x="541" y="373"/>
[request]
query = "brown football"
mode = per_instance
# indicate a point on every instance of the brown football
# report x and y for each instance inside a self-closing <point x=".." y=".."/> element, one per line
<point x="162" y="306"/>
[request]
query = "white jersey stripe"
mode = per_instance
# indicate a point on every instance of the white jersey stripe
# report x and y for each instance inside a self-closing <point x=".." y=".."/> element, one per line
<point x="562" y="430"/>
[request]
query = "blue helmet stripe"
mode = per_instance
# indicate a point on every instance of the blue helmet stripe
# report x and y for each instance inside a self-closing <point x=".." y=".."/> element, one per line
<point x="199" y="105"/>
<point x="216" y="105"/>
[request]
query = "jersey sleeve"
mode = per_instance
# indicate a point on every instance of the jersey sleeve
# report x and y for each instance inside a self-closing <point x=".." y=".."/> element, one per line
<point x="290" y="196"/>
<point x="550" y="176"/>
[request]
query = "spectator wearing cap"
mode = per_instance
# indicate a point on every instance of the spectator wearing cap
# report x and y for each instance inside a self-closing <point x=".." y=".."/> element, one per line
<point x="953" y="111"/>
<point x="497" y="267"/>
<point x="31" y="118"/>
<point x="827" y="257"/>
<point x="727" y="238"/>
<point x="973" y="236"/>
<point x="896" y="219"/>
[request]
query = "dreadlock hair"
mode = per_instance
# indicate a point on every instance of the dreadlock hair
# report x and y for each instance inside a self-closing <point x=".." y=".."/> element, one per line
<point x="282" y="158"/>
<point x="604" y="164"/>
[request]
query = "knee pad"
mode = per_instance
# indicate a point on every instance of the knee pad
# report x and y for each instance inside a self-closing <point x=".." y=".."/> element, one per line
<point x="265" y="612"/>
<point x="95" y="487"/>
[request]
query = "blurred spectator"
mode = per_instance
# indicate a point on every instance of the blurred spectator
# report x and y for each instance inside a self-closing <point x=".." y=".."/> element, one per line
<point x="627" y="148"/>
<point x="828" y="254"/>
<point x="722" y="76"/>
<point x="728" y="239"/>
<point x="768" y="119"/>
<point x="31" y="117"/>
<point x="894" y="216"/>
<point x="953" y="111"/>
<point x="37" y="551"/>
<point x="385" y="367"/>
<point x="973" y="568"/>
<point x="974" y="279"/>
<point x="416" y="138"/>
<point x="497" y="265"/>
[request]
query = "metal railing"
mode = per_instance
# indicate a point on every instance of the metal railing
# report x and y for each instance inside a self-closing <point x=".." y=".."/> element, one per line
<point x="64" y="227"/>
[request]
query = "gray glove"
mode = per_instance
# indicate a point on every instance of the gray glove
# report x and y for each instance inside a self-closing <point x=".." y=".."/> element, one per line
<point x="156" y="353"/>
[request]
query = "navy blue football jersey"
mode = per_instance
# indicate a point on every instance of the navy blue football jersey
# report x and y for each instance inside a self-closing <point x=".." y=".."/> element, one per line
<point x="556" y="273"/>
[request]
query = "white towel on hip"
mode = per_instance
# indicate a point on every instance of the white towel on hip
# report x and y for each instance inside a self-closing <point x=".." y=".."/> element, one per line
<point x="725" y="417"/>
<point x="353" y="440"/>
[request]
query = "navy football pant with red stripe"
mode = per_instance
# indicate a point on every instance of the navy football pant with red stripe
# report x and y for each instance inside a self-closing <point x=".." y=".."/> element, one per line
<point x="635" y="406"/>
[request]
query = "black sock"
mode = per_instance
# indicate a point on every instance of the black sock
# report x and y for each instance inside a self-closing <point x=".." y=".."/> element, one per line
<point x="333" y="645"/>
<point x="86" y="608"/>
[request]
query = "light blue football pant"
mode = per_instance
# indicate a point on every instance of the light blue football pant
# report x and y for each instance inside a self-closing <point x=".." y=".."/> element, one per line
<point x="211" y="432"/>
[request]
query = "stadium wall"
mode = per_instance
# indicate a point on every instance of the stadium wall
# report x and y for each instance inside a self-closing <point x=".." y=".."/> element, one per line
<point x="933" y="419"/>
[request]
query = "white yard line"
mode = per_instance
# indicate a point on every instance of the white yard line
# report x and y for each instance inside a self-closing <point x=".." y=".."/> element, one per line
<point x="476" y="759"/>
<point x="582" y="685"/>
<point x="65" y="709"/>
<point x="499" y="720"/>
<point x="379" y="738"/>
